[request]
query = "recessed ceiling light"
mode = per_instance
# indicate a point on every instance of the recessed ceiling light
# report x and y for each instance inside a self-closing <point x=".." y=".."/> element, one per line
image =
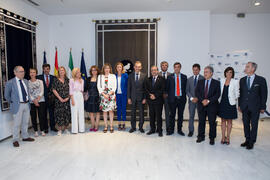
<point x="256" y="3"/>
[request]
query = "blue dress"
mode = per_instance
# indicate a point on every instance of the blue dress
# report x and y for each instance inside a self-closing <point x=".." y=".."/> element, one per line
<point x="226" y="110"/>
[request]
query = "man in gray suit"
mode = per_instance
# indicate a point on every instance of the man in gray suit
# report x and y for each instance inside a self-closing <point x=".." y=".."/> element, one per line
<point x="164" y="73"/>
<point x="136" y="95"/>
<point x="192" y="100"/>
<point x="17" y="94"/>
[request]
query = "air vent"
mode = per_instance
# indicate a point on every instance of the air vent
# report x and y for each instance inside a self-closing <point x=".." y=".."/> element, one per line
<point x="32" y="2"/>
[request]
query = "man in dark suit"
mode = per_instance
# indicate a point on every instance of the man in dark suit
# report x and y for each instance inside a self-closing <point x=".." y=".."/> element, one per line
<point x="176" y="91"/>
<point x="136" y="95"/>
<point x="47" y="83"/>
<point x="192" y="99"/>
<point x="252" y="102"/>
<point x="154" y="89"/>
<point x="207" y="92"/>
<point x="164" y="73"/>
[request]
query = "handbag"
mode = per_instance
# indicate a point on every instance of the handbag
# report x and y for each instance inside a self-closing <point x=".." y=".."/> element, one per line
<point x="85" y="96"/>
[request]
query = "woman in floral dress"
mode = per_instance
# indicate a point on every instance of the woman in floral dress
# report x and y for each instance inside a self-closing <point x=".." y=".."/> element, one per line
<point x="106" y="88"/>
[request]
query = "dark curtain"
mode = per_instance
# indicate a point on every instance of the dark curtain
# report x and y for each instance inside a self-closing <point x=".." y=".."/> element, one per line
<point x="132" y="45"/>
<point x="19" y="50"/>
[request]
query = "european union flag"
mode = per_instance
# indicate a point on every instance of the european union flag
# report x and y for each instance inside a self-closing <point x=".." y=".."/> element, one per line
<point x="83" y="68"/>
<point x="44" y="58"/>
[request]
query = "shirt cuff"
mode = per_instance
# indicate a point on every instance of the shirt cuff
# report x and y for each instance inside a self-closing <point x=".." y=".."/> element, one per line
<point x="191" y="98"/>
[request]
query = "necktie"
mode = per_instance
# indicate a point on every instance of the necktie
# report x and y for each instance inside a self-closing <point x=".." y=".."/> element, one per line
<point x="206" y="90"/>
<point x="137" y="78"/>
<point x="248" y="83"/>
<point x="23" y="91"/>
<point x="195" y="81"/>
<point x="47" y="81"/>
<point x="164" y="75"/>
<point x="153" y="81"/>
<point x="177" y="86"/>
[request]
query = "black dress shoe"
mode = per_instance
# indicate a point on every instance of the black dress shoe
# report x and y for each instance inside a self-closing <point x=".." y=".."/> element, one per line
<point x="212" y="142"/>
<point x="190" y="134"/>
<point x="132" y="130"/>
<point x="244" y="144"/>
<point x="181" y="133"/>
<point x="169" y="133"/>
<point x="46" y="131"/>
<point x="141" y="130"/>
<point x="29" y="139"/>
<point x="250" y="146"/>
<point x="54" y="130"/>
<point x="160" y="134"/>
<point x="150" y="132"/>
<point x="199" y="140"/>
<point x="16" y="144"/>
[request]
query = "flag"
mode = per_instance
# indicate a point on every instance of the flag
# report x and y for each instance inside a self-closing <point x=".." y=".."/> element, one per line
<point x="56" y="64"/>
<point x="83" y="68"/>
<point x="44" y="58"/>
<point x="70" y="64"/>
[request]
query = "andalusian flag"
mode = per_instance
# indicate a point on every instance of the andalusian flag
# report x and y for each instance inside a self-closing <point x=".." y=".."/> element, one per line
<point x="56" y="63"/>
<point x="70" y="64"/>
<point x="83" y="68"/>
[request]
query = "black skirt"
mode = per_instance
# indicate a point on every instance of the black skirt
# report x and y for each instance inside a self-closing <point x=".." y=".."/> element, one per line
<point x="226" y="111"/>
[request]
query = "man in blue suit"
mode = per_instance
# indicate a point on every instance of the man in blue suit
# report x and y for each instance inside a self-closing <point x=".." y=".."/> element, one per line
<point x="252" y="102"/>
<point x="16" y="93"/>
<point x="176" y="91"/>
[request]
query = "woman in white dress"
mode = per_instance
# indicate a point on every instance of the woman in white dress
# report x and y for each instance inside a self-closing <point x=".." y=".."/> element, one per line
<point x="106" y="87"/>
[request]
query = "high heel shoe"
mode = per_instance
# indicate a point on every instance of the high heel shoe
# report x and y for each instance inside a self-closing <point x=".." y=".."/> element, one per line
<point x="123" y="127"/>
<point x="111" y="130"/>
<point x="228" y="141"/>
<point x="223" y="141"/>
<point x="105" y="130"/>
<point x="119" y="127"/>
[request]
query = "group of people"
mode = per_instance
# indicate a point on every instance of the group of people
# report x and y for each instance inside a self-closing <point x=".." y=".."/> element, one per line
<point x="104" y="92"/>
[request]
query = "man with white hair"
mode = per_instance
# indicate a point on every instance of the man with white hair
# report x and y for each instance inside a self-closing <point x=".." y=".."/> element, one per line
<point x="252" y="102"/>
<point x="16" y="93"/>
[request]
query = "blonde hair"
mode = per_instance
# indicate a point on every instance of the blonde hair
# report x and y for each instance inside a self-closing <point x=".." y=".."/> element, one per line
<point x="58" y="74"/>
<point x="138" y="62"/>
<point x="119" y="63"/>
<point x="104" y="66"/>
<point x="74" y="72"/>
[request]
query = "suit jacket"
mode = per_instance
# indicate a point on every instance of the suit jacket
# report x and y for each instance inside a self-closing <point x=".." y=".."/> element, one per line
<point x="190" y="86"/>
<point x="255" y="98"/>
<point x="233" y="92"/>
<point x="12" y="94"/>
<point x="168" y="74"/>
<point x="124" y="83"/>
<point x="46" y="89"/>
<point x="157" y="89"/>
<point x="136" y="91"/>
<point x="170" y="86"/>
<point x="213" y="94"/>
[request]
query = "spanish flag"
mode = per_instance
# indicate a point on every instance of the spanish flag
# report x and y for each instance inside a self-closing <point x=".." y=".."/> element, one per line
<point x="56" y="63"/>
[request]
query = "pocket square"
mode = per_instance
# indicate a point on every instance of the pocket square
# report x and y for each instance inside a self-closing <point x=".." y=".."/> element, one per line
<point x="255" y="85"/>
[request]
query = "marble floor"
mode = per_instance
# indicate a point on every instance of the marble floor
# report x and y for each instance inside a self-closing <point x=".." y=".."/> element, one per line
<point x="126" y="156"/>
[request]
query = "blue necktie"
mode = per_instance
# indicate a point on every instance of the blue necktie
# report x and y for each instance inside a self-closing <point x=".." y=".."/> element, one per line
<point x="164" y="75"/>
<point x="248" y="83"/>
<point x="195" y="81"/>
<point x="153" y="81"/>
<point x="23" y="91"/>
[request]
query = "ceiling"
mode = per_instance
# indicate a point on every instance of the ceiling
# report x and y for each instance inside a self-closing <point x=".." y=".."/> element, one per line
<point x="55" y="7"/>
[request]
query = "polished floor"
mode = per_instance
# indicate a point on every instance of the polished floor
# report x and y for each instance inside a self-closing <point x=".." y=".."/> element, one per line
<point x="136" y="156"/>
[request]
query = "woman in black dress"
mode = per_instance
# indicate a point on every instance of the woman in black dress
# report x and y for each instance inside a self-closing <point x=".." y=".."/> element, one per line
<point x="227" y="107"/>
<point x="62" y="112"/>
<point x="92" y="103"/>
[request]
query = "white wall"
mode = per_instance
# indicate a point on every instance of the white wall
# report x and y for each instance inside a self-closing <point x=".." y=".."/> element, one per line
<point x="182" y="36"/>
<point x="229" y="33"/>
<point x="27" y="11"/>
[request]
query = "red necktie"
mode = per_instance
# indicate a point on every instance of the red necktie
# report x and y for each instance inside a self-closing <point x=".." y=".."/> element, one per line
<point x="47" y="81"/>
<point x="178" y="86"/>
<point x="206" y="90"/>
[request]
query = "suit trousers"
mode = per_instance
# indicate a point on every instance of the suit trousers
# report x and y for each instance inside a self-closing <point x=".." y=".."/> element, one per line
<point x="77" y="113"/>
<point x="250" y="122"/>
<point x="21" y="121"/>
<point x="167" y="113"/>
<point x="40" y="110"/>
<point x="134" y="105"/>
<point x="192" y="109"/>
<point x="179" y="104"/>
<point x="212" y="115"/>
<point x="155" y="113"/>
